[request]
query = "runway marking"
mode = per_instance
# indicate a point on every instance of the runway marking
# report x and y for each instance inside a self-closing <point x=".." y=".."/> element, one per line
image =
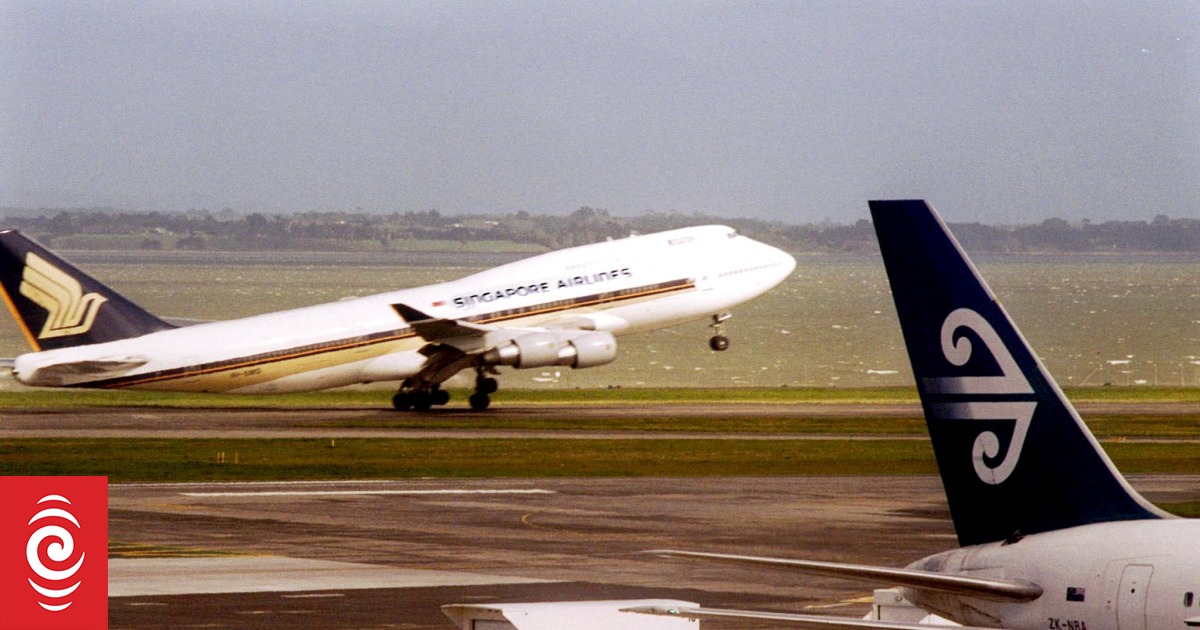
<point x="528" y="523"/>
<point x="278" y="574"/>
<point x="250" y="484"/>
<point x="317" y="493"/>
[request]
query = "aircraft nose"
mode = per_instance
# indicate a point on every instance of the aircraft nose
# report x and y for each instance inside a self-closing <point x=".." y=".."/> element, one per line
<point x="788" y="262"/>
<point x="781" y="262"/>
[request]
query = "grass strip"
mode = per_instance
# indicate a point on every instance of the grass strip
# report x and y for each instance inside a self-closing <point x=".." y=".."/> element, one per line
<point x="120" y="549"/>
<point x="714" y="424"/>
<point x="1187" y="509"/>
<point x="180" y="460"/>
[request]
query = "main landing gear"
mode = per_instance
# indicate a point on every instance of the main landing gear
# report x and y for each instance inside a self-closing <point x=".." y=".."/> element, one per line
<point x="719" y="342"/>
<point x="418" y="398"/>
<point x="485" y="386"/>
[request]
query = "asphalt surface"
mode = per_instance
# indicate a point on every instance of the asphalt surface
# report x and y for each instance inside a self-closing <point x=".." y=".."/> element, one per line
<point x="389" y="553"/>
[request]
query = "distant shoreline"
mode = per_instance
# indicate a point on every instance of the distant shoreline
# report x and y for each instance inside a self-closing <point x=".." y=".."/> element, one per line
<point x="472" y="259"/>
<point x="523" y="233"/>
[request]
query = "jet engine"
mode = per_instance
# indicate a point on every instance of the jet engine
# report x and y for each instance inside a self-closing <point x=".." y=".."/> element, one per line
<point x="544" y="349"/>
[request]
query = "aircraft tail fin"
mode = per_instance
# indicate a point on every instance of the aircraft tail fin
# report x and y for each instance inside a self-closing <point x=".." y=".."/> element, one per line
<point x="59" y="306"/>
<point x="1014" y="456"/>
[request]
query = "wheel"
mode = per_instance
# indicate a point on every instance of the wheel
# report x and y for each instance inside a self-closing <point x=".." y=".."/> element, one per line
<point x="479" y="402"/>
<point x="422" y="401"/>
<point x="440" y="396"/>
<point x="486" y="386"/>
<point x="402" y="401"/>
<point x="719" y="343"/>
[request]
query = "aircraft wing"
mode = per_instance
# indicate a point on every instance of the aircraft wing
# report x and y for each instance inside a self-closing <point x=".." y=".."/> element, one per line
<point x="814" y="622"/>
<point x="456" y="344"/>
<point x="432" y="328"/>
<point x="983" y="588"/>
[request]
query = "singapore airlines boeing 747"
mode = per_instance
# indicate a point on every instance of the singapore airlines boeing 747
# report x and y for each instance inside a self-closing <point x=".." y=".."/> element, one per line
<point x="562" y="308"/>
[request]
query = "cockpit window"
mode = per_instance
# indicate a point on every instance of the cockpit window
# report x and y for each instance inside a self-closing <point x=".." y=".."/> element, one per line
<point x="733" y="234"/>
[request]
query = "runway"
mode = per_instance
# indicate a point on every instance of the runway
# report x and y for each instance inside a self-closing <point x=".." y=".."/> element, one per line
<point x="358" y="422"/>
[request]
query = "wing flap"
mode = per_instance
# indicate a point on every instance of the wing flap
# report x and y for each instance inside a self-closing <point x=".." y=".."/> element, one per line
<point x="816" y="622"/>
<point x="991" y="589"/>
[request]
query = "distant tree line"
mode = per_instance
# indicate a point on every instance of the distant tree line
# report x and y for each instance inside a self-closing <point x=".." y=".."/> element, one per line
<point x="102" y="228"/>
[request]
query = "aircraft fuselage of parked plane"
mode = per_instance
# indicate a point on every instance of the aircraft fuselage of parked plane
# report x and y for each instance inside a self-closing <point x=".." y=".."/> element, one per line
<point x="562" y="308"/>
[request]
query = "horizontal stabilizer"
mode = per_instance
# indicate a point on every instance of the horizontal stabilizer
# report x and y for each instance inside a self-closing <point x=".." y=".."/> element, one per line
<point x="89" y="368"/>
<point x="181" y="322"/>
<point x="435" y="329"/>
<point x="63" y="373"/>
<point x="981" y="588"/>
<point x="816" y="622"/>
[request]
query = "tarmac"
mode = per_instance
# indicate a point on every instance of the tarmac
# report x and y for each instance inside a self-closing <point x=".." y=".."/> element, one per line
<point x="389" y="553"/>
<point x="241" y="555"/>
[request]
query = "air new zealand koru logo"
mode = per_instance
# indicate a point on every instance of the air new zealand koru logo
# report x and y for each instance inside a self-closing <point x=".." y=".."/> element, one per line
<point x="68" y="310"/>
<point x="986" y="397"/>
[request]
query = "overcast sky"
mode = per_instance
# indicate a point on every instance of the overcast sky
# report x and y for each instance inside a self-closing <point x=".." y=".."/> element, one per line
<point x="1000" y="112"/>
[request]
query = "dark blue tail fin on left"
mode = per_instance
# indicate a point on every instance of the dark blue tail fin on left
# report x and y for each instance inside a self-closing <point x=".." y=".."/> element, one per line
<point x="59" y="306"/>
<point x="1014" y="456"/>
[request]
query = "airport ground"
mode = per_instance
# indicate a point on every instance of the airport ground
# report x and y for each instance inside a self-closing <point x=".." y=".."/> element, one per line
<point x="419" y="544"/>
<point x="387" y="553"/>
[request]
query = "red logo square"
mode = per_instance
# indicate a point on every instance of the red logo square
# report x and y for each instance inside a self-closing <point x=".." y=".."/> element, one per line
<point x="53" y="553"/>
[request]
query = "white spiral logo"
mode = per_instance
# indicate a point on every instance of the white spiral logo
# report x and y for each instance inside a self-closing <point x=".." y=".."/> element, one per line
<point x="58" y="551"/>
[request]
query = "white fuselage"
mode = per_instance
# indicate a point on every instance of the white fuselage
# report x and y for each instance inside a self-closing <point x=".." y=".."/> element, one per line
<point x="622" y="286"/>
<point x="1123" y="575"/>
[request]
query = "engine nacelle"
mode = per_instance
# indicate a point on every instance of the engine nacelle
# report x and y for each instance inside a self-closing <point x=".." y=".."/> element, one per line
<point x="535" y="350"/>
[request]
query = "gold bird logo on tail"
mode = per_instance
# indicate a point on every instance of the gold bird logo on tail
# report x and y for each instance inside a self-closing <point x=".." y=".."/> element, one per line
<point x="70" y="312"/>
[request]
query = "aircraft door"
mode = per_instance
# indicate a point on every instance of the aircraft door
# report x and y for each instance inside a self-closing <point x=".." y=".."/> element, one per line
<point x="1131" y="598"/>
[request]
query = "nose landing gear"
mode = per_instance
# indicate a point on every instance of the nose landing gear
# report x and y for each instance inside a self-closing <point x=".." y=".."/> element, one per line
<point x="719" y="342"/>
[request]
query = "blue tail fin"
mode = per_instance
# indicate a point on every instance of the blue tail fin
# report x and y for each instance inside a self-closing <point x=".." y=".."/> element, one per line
<point x="59" y="306"/>
<point x="1014" y="456"/>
